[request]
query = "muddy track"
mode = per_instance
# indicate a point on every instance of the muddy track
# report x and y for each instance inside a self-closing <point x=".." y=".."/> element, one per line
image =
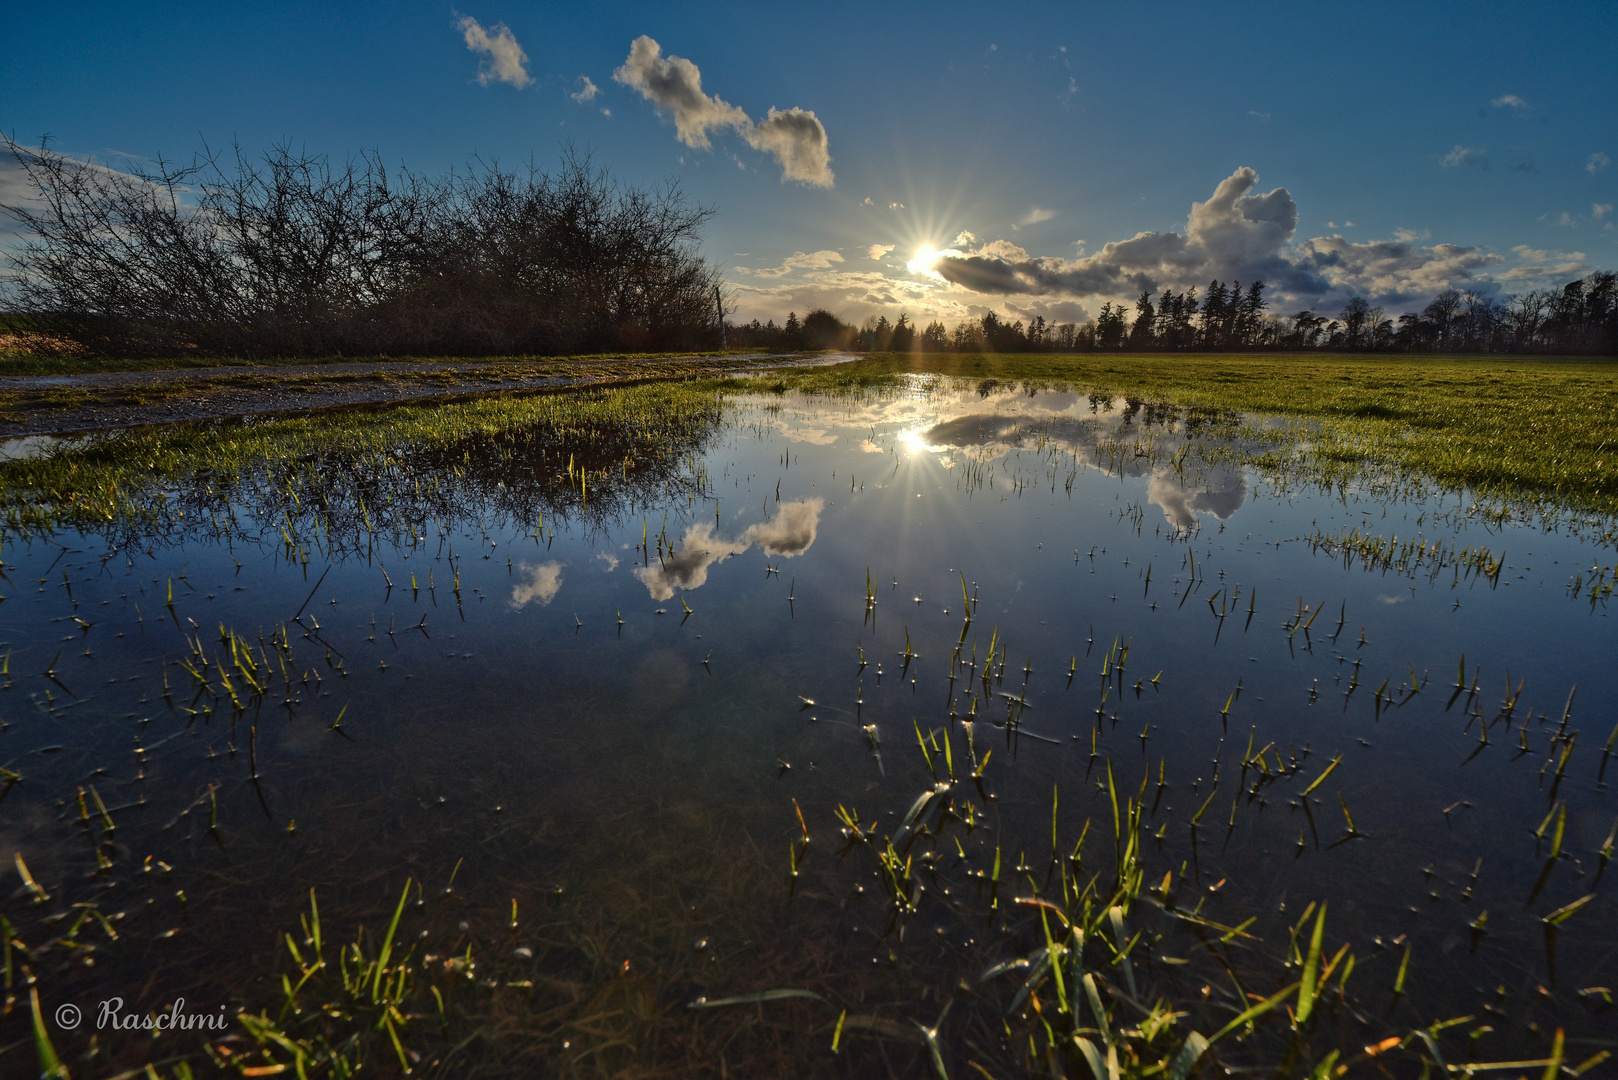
<point x="68" y="404"/>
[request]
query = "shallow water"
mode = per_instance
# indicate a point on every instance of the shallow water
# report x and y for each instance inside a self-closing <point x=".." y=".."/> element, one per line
<point x="614" y="737"/>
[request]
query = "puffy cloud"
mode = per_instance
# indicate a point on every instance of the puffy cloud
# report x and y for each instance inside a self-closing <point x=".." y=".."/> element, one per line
<point x="504" y="59"/>
<point x="1395" y="271"/>
<point x="1597" y="161"/>
<point x="795" y="137"/>
<point x="1509" y="101"/>
<point x="1539" y="268"/>
<point x="788" y="533"/>
<point x="1464" y="156"/>
<point x="814" y="260"/>
<point x="587" y="90"/>
<point x="1600" y="210"/>
<point x="544" y="582"/>
<point x="1234" y="233"/>
<point x="1034" y="217"/>
<point x="877" y="251"/>
<point x="674" y="85"/>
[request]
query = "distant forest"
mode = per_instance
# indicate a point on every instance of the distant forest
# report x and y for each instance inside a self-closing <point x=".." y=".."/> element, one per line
<point x="1581" y="318"/>
<point x="291" y="254"/>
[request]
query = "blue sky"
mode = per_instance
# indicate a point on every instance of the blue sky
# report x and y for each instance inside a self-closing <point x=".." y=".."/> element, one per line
<point x="1042" y="158"/>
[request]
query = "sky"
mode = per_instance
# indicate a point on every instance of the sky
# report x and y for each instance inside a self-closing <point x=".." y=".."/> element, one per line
<point x="939" y="160"/>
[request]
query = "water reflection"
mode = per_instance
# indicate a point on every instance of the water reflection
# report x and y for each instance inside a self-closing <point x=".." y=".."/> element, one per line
<point x="788" y="533"/>
<point x="1217" y="491"/>
<point x="543" y="583"/>
<point x="1131" y="440"/>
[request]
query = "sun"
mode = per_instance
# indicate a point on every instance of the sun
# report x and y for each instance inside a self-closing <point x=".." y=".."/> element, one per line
<point x="924" y="260"/>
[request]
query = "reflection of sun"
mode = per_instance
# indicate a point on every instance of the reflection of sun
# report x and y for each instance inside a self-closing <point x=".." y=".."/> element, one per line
<point x="924" y="260"/>
<point x="914" y="441"/>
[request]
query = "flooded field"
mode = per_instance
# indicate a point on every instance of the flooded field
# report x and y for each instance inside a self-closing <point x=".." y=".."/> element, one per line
<point x="954" y="729"/>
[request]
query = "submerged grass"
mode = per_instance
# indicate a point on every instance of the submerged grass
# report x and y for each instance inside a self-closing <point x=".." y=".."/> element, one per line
<point x="355" y="459"/>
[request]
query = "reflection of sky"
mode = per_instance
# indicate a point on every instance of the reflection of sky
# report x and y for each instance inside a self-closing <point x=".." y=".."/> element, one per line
<point x="541" y="584"/>
<point x="950" y="423"/>
<point x="788" y="533"/>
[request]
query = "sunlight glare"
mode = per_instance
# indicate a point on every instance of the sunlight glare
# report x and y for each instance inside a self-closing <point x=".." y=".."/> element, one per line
<point x="925" y="259"/>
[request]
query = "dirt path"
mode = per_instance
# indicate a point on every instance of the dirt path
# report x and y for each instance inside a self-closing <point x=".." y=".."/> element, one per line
<point x="64" y="404"/>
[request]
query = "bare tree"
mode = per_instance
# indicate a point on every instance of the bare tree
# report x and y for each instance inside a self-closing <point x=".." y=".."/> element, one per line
<point x="292" y="254"/>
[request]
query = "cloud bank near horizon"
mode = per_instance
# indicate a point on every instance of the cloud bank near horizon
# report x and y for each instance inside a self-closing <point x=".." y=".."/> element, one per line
<point x="1238" y="233"/>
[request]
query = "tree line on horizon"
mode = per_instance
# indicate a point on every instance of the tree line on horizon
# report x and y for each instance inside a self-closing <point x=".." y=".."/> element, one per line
<point x="1581" y="318"/>
<point x="292" y="254"/>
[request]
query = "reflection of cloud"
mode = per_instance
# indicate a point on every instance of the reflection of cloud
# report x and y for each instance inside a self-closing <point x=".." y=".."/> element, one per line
<point x="871" y="448"/>
<point x="792" y="529"/>
<point x="609" y="561"/>
<point x="788" y="533"/>
<point x="688" y="567"/>
<point x="1181" y="505"/>
<point x="1058" y="421"/>
<point x="544" y="581"/>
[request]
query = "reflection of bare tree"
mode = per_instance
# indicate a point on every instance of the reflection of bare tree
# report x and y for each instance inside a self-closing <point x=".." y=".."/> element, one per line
<point x="543" y="475"/>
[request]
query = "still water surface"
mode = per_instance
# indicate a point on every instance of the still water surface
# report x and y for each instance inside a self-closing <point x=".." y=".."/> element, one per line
<point x="613" y="737"/>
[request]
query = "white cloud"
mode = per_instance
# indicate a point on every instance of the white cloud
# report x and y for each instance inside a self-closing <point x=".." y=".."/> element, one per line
<point x="1597" y="162"/>
<point x="794" y="137"/>
<point x="867" y="201"/>
<point x="674" y="85"/>
<point x="798" y="260"/>
<point x="877" y="251"/>
<point x="896" y="206"/>
<point x="1509" y="101"/>
<point x="505" y="61"/>
<point x="1034" y="217"/>
<point x="609" y="561"/>
<point x="1236" y="234"/>
<point x="1600" y="210"/>
<point x="1261" y="117"/>
<point x="587" y="90"/>
<point x="797" y="139"/>
<point x="544" y="582"/>
<point x="1464" y="156"/>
